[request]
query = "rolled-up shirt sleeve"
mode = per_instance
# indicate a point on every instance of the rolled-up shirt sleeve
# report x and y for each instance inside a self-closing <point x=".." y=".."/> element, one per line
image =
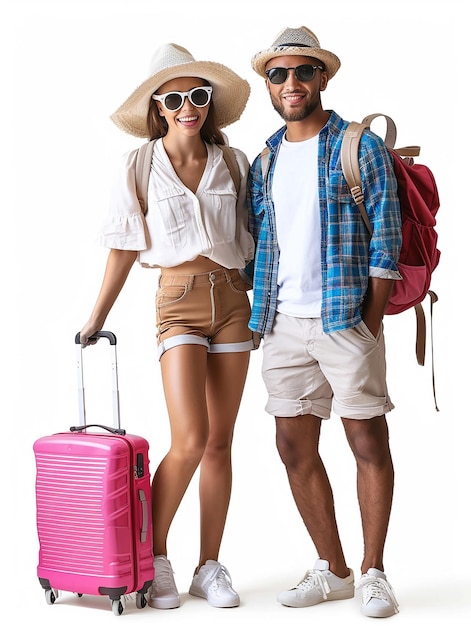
<point x="124" y="227"/>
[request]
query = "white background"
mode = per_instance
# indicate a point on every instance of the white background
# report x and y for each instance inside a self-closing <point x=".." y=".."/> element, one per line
<point x="65" y="67"/>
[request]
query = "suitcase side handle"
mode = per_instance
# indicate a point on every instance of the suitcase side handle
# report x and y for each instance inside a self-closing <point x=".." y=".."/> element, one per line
<point x="114" y="431"/>
<point x="145" y="515"/>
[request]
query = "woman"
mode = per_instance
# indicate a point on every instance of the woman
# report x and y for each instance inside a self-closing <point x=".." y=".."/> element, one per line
<point x="195" y="231"/>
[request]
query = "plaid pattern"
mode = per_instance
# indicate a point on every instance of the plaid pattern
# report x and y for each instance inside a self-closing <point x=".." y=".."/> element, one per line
<point x="348" y="256"/>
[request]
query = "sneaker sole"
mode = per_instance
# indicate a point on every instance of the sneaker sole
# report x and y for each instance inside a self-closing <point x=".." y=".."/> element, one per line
<point x="218" y="605"/>
<point x="164" y="603"/>
<point x="299" y="603"/>
<point x="388" y="611"/>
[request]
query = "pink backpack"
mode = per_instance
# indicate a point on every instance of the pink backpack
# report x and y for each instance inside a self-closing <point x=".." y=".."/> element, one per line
<point x="418" y="196"/>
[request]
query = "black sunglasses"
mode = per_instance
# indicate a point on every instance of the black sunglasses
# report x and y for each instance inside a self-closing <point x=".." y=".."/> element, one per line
<point x="304" y="73"/>
<point x="173" y="100"/>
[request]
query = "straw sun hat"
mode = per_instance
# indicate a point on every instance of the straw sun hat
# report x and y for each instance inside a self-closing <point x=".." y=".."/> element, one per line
<point x="230" y="92"/>
<point x="296" y="42"/>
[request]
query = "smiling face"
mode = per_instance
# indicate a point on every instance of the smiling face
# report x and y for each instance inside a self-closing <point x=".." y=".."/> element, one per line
<point x="294" y="99"/>
<point x="189" y="119"/>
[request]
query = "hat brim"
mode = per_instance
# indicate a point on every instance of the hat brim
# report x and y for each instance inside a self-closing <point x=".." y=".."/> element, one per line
<point x="230" y="95"/>
<point x="329" y="59"/>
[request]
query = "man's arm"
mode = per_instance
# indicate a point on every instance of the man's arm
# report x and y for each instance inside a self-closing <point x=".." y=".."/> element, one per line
<point x="375" y="302"/>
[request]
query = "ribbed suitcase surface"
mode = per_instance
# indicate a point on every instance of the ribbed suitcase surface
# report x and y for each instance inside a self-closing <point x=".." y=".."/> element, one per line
<point x="93" y="513"/>
<point x="83" y="504"/>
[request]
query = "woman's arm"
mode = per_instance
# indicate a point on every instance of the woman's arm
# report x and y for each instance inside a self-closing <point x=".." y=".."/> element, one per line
<point x="116" y="272"/>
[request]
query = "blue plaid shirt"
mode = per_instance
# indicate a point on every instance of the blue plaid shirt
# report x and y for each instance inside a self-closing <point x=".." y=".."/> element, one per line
<point x="348" y="254"/>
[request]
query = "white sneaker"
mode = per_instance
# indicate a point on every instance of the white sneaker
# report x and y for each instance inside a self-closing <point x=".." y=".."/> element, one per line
<point x="213" y="582"/>
<point x="163" y="592"/>
<point x="318" y="585"/>
<point x="378" y="599"/>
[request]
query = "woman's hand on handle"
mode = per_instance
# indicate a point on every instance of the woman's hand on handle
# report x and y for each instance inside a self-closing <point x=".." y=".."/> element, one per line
<point x="88" y="331"/>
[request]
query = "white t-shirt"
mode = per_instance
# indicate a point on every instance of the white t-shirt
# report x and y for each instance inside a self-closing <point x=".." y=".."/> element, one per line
<point x="296" y="198"/>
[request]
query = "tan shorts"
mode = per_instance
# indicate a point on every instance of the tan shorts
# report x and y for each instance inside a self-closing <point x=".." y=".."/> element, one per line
<point x="307" y="371"/>
<point x="210" y="309"/>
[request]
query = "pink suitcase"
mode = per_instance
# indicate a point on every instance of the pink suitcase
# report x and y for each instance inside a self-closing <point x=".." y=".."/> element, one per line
<point x="93" y="507"/>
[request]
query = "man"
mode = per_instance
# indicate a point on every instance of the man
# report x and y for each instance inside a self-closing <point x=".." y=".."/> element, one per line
<point x="321" y="285"/>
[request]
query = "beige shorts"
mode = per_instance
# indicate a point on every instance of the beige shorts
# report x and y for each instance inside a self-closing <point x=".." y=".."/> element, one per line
<point x="307" y="371"/>
<point x="210" y="309"/>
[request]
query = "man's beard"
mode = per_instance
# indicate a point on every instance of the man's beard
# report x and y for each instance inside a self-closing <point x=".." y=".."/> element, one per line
<point x="296" y="116"/>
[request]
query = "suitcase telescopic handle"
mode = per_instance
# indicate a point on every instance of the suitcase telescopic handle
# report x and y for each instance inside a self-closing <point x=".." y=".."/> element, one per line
<point x="101" y="333"/>
<point x="114" y="378"/>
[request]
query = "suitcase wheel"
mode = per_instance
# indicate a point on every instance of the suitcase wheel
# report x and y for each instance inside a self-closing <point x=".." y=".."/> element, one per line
<point x="141" y="600"/>
<point x="51" y="595"/>
<point x="117" y="606"/>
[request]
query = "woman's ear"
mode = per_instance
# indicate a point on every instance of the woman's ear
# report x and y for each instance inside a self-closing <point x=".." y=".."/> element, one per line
<point x="160" y="108"/>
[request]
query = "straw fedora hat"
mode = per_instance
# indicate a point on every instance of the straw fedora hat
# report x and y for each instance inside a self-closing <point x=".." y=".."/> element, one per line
<point x="230" y="91"/>
<point x="296" y="42"/>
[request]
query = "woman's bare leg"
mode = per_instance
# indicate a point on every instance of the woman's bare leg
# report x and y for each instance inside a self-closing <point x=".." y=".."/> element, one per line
<point x="184" y="381"/>
<point x="226" y="374"/>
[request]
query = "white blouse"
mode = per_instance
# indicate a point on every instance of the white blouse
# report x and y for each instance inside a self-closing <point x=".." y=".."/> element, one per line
<point x="181" y="225"/>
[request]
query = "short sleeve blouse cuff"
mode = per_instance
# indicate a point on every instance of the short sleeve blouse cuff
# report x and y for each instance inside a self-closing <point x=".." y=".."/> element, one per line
<point x="124" y="227"/>
<point x="124" y="232"/>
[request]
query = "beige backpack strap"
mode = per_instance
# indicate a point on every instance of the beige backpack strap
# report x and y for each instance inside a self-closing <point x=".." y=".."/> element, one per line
<point x="408" y="151"/>
<point x="351" y="167"/>
<point x="265" y="153"/>
<point x="349" y="156"/>
<point x="143" y="163"/>
<point x="420" y="340"/>
<point x="391" y="131"/>
<point x="433" y="299"/>
<point x="231" y="162"/>
<point x="391" y="135"/>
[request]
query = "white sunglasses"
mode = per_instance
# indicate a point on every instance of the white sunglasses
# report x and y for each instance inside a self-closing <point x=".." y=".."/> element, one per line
<point x="173" y="100"/>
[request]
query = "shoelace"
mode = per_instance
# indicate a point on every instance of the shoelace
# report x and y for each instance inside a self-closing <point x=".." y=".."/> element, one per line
<point x="163" y="577"/>
<point x="374" y="587"/>
<point x="315" y="578"/>
<point x="219" y="577"/>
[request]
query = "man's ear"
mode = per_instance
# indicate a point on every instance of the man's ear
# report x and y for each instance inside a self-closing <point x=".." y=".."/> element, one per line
<point x="324" y="80"/>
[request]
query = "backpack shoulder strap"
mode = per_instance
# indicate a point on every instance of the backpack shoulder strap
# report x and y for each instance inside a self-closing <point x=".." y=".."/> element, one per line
<point x="143" y="163"/>
<point x="351" y="167"/>
<point x="349" y="156"/>
<point x="391" y="130"/>
<point x="231" y="162"/>
<point x="265" y="153"/>
<point x="391" y="134"/>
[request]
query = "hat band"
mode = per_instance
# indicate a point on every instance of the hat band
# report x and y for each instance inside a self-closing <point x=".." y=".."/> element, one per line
<point x="293" y="45"/>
